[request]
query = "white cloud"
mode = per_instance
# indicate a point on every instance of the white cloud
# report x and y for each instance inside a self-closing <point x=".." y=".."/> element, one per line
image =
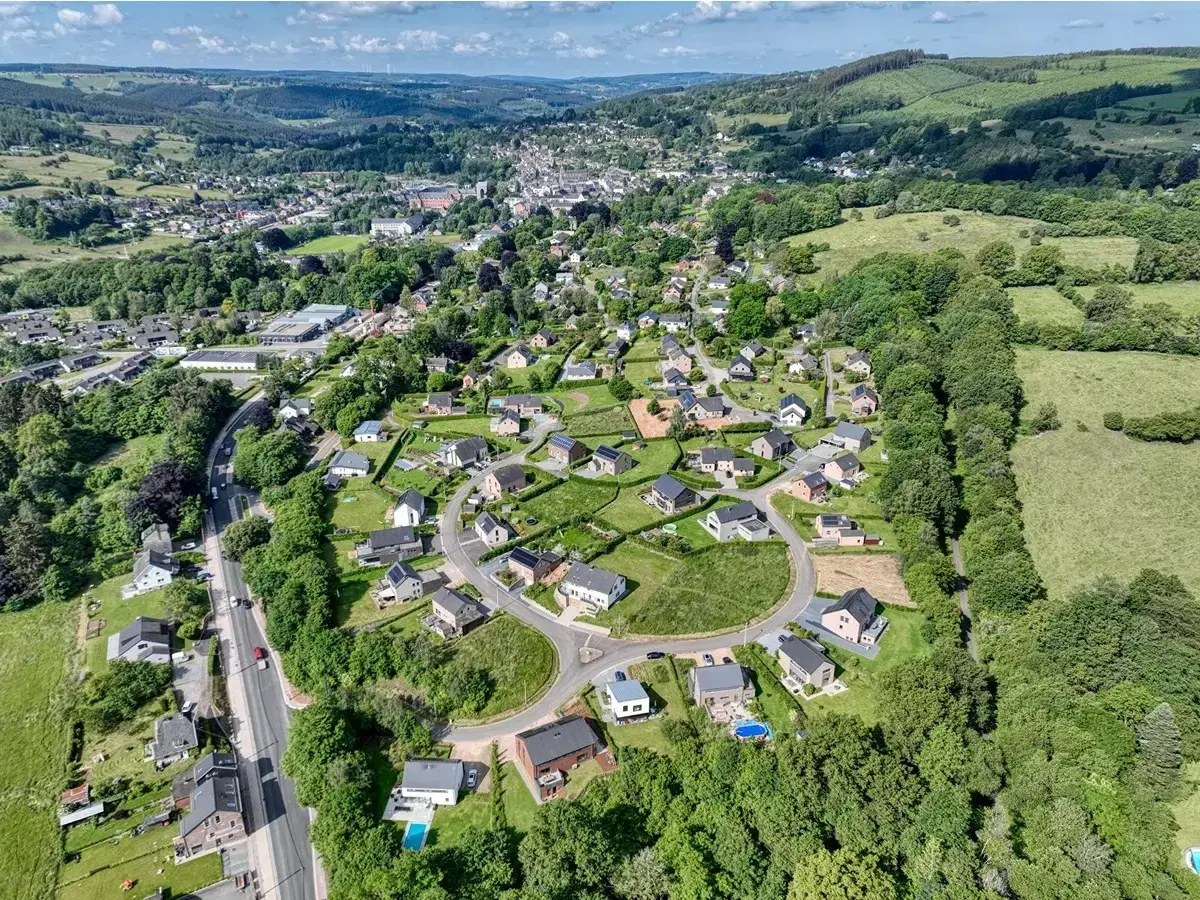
<point x="670" y="33"/>
<point x="560" y="38"/>
<point x="422" y="40"/>
<point x="161" y="46"/>
<point x="103" y="15"/>
<point x="1154" y="19"/>
<point x="711" y="11"/>
<point x="331" y="13"/>
<point x="578" y="5"/>
<point x="579" y="52"/>
<point x="181" y="30"/>
<point x="467" y="48"/>
<point x="509" y="5"/>
<point x="362" y="44"/>
<point x="13" y="10"/>
<point x="210" y="43"/>
<point x="1082" y="23"/>
<point x="28" y="35"/>
<point x="940" y="18"/>
<point x="849" y="55"/>
<point x="325" y="43"/>
<point x="751" y="6"/>
<point x="678" y="50"/>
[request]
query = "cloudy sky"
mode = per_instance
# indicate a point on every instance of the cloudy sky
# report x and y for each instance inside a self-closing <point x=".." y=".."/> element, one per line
<point x="568" y="38"/>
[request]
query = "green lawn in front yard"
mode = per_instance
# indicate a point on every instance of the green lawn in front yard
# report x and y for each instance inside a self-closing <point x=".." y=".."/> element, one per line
<point x="117" y="613"/>
<point x="520" y="377"/>
<point x="697" y="535"/>
<point x="665" y="695"/>
<point x="450" y="823"/>
<point x="903" y="642"/>
<point x="520" y="808"/>
<point x="520" y="662"/>
<point x="574" y="497"/>
<point x="860" y="505"/>
<point x="578" y="779"/>
<point x="654" y="458"/>
<point x="716" y="588"/>
<point x="35" y="646"/>
<point x="628" y="512"/>
<point x="358" y="505"/>
<point x="136" y="859"/>
<point x="1077" y="526"/>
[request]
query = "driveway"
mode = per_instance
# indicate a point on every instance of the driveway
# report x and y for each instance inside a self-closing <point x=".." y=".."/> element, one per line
<point x="811" y="619"/>
<point x="191" y="678"/>
<point x="471" y="545"/>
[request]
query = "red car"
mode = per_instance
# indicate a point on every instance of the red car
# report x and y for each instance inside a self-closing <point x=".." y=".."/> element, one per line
<point x="260" y="652"/>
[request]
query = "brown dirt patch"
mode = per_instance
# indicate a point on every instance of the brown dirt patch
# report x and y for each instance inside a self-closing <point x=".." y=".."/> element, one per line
<point x="879" y="573"/>
<point x="655" y="426"/>
<point x="581" y="398"/>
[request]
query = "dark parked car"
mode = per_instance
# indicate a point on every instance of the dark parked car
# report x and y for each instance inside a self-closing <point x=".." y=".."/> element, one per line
<point x="655" y="654"/>
<point x="619" y="675"/>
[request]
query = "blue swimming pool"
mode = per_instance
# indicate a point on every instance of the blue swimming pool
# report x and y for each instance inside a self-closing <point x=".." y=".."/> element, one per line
<point x="751" y="730"/>
<point x="1193" y="858"/>
<point x="414" y="835"/>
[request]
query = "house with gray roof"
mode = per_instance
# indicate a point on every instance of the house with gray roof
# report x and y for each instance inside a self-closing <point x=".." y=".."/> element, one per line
<point x="792" y="411"/>
<point x="848" y="436"/>
<point x="774" y="444"/>
<point x="370" y="432"/>
<point x="805" y="663"/>
<point x="455" y="613"/>
<point x="142" y="640"/>
<point x="174" y="738"/>
<point x="737" y="520"/>
<point x="626" y="699"/>
<point x="157" y="537"/>
<point x="610" y="461"/>
<point x="151" y="570"/>
<point x="741" y="369"/>
<point x="491" y="530"/>
<point x="387" y="545"/>
<point x="214" y="818"/>
<point x="565" y="448"/>
<point x="400" y="583"/>
<point x="852" y="617"/>
<point x="409" y="509"/>
<point x="671" y="496"/>
<point x="547" y="753"/>
<point x="432" y="782"/>
<point x="504" y="480"/>
<point x="465" y="452"/>
<point x="592" y="588"/>
<point x="348" y="464"/>
<point x="714" y="687"/>
<point x="584" y="370"/>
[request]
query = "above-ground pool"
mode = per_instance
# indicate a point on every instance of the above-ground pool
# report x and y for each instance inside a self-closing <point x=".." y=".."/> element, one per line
<point x="751" y="730"/>
<point x="415" y="835"/>
<point x="1193" y="859"/>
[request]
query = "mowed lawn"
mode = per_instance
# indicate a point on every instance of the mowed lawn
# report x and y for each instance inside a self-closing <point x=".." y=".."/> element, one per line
<point x="574" y="497"/>
<point x="34" y="743"/>
<point x="1097" y="502"/>
<point x="629" y="512"/>
<point x="331" y="243"/>
<point x="519" y="660"/>
<point x="851" y="241"/>
<point x="139" y="860"/>
<point x="1045" y="305"/>
<point x="712" y="589"/>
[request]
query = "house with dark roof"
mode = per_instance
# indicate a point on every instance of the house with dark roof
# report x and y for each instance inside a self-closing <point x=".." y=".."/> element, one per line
<point x="348" y="464"/>
<point x="853" y="618"/>
<point x="615" y="348"/>
<point x="842" y="468"/>
<point x="584" y="370"/>
<point x="859" y="362"/>
<point x="491" y="530"/>
<point x="520" y="357"/>
<point x="774" y="444"/>
<point x="464" y="452"/>
<point x="848" y="436"/>
<point x="174" y="737"/>
<point x="699" y="409"/>
<point x="525" y="405"/>
<point x="156" y="537"/>
<point x="142" y="640"/>
<point x="214" y="818"/>
<point x="592" y="588"/>
<point x="543" y="338"/>
<point x="432" y="782"/>
<point x="741" y="369"/>
<point x="716" y="459"/>
<point x="454" y="613"/>
<point x="300" y="408"/>
<point x="504" y="480"/>
<point x="547" y="753"/>
<point x="399" y="584"/>
<point x="671" y="496"/>
<point x="863" y="400"/>
<point x="714" y="687"/>
<point x="804" y="364"/>
<point x="753" y="350"/>
<point x="387" y="545"/>
<point x="530" y="566"/>
<point x="565" y="448"/>
<point x="805" y="663"/>
<point x="673" y="379"/>
<point x="736" y="520"/>
<point x="409" y="509"/>
<point x="792" y="411"/>
<point x="610" y="461"/>
<point x="439" y="403"/>
<point x="812" y="488"/>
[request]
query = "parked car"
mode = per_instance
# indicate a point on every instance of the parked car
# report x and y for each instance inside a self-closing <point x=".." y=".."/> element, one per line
<point x="619" y="675"/>
<point x="725" y="660"/>
<point x="472" y="777"/>
<point x="187" y="708"/>
<point x="260" y="653"/>
<point x="655" y="654"/>
<point x="190" y="545"/>
<point x="708" y="660"/>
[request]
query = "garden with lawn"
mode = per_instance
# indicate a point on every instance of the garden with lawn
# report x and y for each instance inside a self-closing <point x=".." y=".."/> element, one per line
<point x="601" y="421"/>
<point x="520" y="662"/>
<point x="137" y="859"/>
<point x="666" y="696"/>
<point x="573" y="497"/>
<point x="629" y="512"/>
<point x="358" y="505"/>
<point x="713" y="589"/>
<point x="116" y="613"/>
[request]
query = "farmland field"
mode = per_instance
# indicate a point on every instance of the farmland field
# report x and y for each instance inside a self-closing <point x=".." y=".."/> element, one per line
<point x="713" y="589"/>
<point x="1047" y="306"/>
<point x="1080" y="518"/>
<point x="12" y="243"/>
<point x="34" y="739"/>
<point x="851" y="242"/>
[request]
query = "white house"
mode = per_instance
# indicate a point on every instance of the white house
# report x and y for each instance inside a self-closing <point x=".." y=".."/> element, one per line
<point x="370" y="432"/>
<point x="410" y="509"/>
<point x="792" y="411"/>
<point x="435" y="782"/>
<point x="151" y="571"/>
<point x="491" y="530"/>
<point x="627" y="699"/>
<point x="738" y="520"/>
<point x="590" y="587"/>
<point x="462" y="453"/>
<point x="348" y="464"/>
<point x="295" y="408"/>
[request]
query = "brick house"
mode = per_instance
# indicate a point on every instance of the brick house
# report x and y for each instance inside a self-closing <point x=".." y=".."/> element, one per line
<point x="546" y="754"/>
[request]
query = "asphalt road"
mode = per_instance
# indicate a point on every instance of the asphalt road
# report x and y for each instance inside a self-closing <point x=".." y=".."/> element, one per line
<point x="260" y="717"/>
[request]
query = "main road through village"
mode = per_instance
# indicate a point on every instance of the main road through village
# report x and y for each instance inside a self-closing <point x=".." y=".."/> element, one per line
<point x="259" y="713"/>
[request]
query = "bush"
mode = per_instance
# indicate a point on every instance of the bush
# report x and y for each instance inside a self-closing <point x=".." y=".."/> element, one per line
<point x="1114" y="421"/>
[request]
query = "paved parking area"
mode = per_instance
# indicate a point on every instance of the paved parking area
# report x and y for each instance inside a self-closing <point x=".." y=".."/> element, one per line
<point x="472" y="545"/>
<point x="811" y="619"/>
<point x="191" y="678"/>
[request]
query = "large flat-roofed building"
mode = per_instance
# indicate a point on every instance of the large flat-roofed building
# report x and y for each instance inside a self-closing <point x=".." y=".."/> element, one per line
<point x="235" y="360"/>
<point x="306" y="324"/>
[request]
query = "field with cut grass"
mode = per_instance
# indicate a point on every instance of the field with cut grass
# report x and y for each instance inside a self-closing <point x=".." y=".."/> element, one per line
<point x="12" y="242"/>
<point x="851" y="242"/>
<point x="34" y="743"/>
<point x="628" y="512"/>
<point x="587" y="422"/>
<point x="332" y="243"/>
<point x="358" y="505"/>
<point x="116" y="613"/>
<point x="137" y="859"/>
<point x="520" y="662"/>
<point x="720" y="587"/>
<point x="574" y="497"/>
<point x="1087" y="494"/>
<point x="1045" y="305"/>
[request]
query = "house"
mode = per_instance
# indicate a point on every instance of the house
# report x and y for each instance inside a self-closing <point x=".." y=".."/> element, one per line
<point x="738" y="267"/>
<point x="848" y="436"/>
<point x="830" y="525"/>
<point x="648" y="319"/>
<point x="673" y="294"/>
<point x="779" y="284"/>
<point x="432" y="782"/>
<point x="804" y="364"/>
<point x="592" y="588"/>
<point x="775" y="444"/>
<point x="520" y="357"/>
<point x="804" y="663"/>
<point x="438" y="364"/>
<point x="348" y="464"/>
<point x="626" y="330"/>
<point x="507" y="424"/>
<point x="388" y="228"/>
<point x="439" y="404"/>
<point x="580" y="371"/>
<point x="615" y="348"/>
<point x="676" y="359"/>
<point x="792" y="411"/>
<point x="737" y="520"/>
<point x="718" y="306"/>
<point x="610" y="461"/>
<point x="174" y="738"/>
<point x="741" y="467"/>
<point x="543" y="339"/>
<point x="295" y="408"/>
<point x="719" y="283"/>
<point x="401" y="582"/>
<point x="472" y="377"/>
<point x="214" y="818"/>
<point x="853" y="618"/>
<point x="672" y="378"/>
<point x="541" y="292"/>
<point x="670" y="496"/>
<point x="741" y="369"/>
<point x="859" y="362"/>
<point x="626" y="699"/>
<point x="151" y="571"/>
<point x="713" y="687"/>
<point x="455" y="613"/>
<point x="863" y="400"/>
<point x="674" y="322"/>
<point x="505" y="480"/>
<point x="464" y="452"/>
<point x="142" y="640"/>
<point x="524" y="405"/>
<point x="532" y="567"/>
<point x="716" y="459"/>
<point x="805" y="332"/>
<point x="812" y="488"/>
<point x="157" y="537"/>
<point x="701" y="408"/>
<point x="843" y="468"/>
<point x="753" y="350"/>
<point x="370" y="432"/>
<point x="565" y="448"/>
<point x="491" y="530"/>
<point x="387" y="545"/>
<point x="669" y="344"/>
<point x="564" y="277"/>
<point x="545" y="754"/>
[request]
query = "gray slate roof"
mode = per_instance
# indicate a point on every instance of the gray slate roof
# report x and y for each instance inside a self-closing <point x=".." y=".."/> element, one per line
<point x="729" y="676"/>
<point x="348" y="459"/>
<point x="670" y="488"/>
<point x="776" y="438"/>
<point x="628" y="691"/>
<point x="154" y="631"/>
<point x="413" y="499"/>
<point x="804" y="655"/>
<point x="736" y="512"/>
<point x="400" y="572"/>
<point x="858" y="603"/>
<point x="390" y="537"/>
<point x="433" y="774"/>
<point x="852" y="431"/>
<point x="219" y="794"/>
<point x="591" y="578"/>
<point x="557" y="739"/>
<point x="510" y="478"/>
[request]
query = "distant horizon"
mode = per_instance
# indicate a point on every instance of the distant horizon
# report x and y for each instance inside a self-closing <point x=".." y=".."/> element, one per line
<point x="565" y="40"/>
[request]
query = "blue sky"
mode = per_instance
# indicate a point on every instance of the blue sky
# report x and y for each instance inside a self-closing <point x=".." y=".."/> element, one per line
<point x="568" y="39"/>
